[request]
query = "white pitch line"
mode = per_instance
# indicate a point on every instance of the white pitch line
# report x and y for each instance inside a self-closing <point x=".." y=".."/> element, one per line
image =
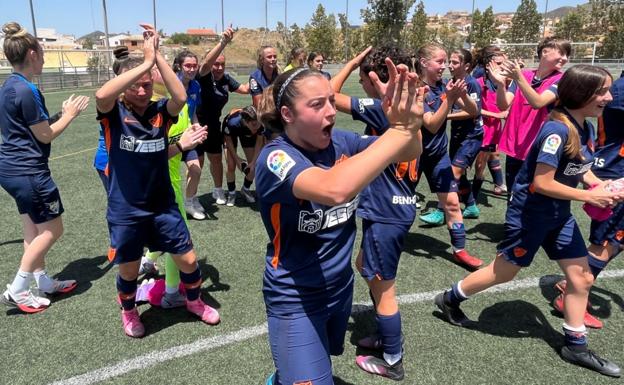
<point x="205" y="344"/>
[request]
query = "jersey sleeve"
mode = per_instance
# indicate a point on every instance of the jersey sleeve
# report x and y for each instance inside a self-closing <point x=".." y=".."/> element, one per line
<point x="161" y="106"/>
<point x="32" y="106"/>
<point x="276" y="171"/>
<point x="513" y="87"/>
<point x="554" y="88"/>
<point x="551" y="142"/>
<point x="254" y="86"/>
<point x="474" y="92"/>
<point x="233" y="83"/>
<point x="369" y="111"/>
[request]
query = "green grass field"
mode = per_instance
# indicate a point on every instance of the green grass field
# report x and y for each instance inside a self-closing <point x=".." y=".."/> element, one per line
<point x="515" y="340"/>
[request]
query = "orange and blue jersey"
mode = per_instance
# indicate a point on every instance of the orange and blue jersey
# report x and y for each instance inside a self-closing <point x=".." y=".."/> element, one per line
<point x="308" y="257"/>
<point x="21" y="105"/>
<point x="258" y="81"/>
<point x="435" y="144"/>
<point x="389" y="198"/>
<point x="138" y="168"/>
<point x="609" y="155"/>
<point x="469" y="128"/>
<point x="548" y="149"/>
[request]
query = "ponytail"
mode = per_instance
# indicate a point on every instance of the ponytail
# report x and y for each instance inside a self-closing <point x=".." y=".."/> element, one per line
<point x="572" y="148"/>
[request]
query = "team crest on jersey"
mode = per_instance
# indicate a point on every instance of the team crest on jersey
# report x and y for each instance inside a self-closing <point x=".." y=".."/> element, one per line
<point x="130" y="143"/>
<point x="519" y="252"/>
<point x="279" y="162"/>
<point x="53" y="207"/>
<point x="310" y="222"/>
<point x="552" y="144"/>
<point x="363" y="103"/>
<point x="127" y="143"/>
<point x="253" y="84"/>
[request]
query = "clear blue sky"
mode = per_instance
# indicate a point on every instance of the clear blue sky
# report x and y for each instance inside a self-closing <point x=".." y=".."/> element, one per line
<point x="79" y="17"/>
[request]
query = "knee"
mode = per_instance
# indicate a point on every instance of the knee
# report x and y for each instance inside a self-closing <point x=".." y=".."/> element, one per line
<point x="451" y="205"/>
<point x="194" y="171"/>
<point x="581" y="280"/>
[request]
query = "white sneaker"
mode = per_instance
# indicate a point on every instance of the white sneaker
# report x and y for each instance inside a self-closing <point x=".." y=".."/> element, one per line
<point x="219" y="196"/>
<point x="26" y="301"/>
<point x="191" y="210"/>
<point x="231" y="198"/>
<point x="198" y="206"/>
<point x="246" y="193"/>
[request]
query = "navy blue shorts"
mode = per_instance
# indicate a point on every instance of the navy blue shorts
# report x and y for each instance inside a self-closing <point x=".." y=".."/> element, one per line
<point x="437" y="169"/>
<point x="559" y="239"/>
<point x="467" y="153"/>
<point x="490" y="148"/>
<point x="214" y="142"/>
<point x="301" y="344"/>
<point x="610" y="231"/>
<point x="189" y="155"/>
<point x="165" y="231"/>
<point x="35" y="195"/>
<point x="382" y="244"/>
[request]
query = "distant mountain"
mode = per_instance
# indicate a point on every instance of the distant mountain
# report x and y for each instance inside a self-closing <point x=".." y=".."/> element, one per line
<point x="560" y="12"/>
<point x="94" y="36"/>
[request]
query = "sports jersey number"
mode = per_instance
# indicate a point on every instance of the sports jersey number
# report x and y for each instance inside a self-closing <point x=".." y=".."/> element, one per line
<point x="409" y="168"/>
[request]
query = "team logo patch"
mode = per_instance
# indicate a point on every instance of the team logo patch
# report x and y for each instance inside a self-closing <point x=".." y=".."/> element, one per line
<point x="53" y="207"/>
<point x="310" y="222"/>
<point x="253" y="84"/>
<point x="519" y="252"/>
<point x="363" y="103"/>
<point x="279" y="162"/>
<point x="552" y="144"/>
<point x="474" y="96"/>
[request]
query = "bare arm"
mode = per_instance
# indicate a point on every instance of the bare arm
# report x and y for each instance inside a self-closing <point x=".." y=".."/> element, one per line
<point x="338" y="80"/>
<point x="513" y="70"/>
<point x="72" y="107"/>
<point x="211" y="56"/>
<point x="243" y="89"/>
<point x="174" y="86"/>
<point x="106" y="96"/>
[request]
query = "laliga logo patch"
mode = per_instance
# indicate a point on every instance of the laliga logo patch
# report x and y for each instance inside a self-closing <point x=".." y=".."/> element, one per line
<point x="279" y="163"/>
<point x="551" y="144"/>
<point x="310" y="222"/>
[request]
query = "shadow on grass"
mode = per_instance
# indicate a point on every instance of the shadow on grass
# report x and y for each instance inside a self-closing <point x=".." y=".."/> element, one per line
<point x="515" y="319"/>
<point x="11" y="242"/>
<point x="422" y="245"/>
<point x="599" y="305"/>
<point x="340" y="381"/>
<point x="488" y="232"/>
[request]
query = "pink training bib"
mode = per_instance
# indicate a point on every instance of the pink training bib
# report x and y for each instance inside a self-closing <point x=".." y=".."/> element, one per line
<point x="491" y="126"/>
<point x="524" y="122"/>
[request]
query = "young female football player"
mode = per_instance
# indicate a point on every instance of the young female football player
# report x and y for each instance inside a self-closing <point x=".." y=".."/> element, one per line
<point x="141" y="205"/>
<point x="242" y="124"/>
<point x="296" y="59"/>
<point x="216" y="85"/>
<point x="387" y="208"/>
<point x="560" y="158"/>
<point x="528" y="109"/>
<point x="27" y="132"/>
<point x="315" y="62"/>
<point x="265" y="74"/>
<point x="435" y="162"/>
<point x="308" y="181"/>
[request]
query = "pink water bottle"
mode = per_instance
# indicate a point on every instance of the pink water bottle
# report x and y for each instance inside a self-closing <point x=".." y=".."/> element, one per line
<point x="602" y="214"/>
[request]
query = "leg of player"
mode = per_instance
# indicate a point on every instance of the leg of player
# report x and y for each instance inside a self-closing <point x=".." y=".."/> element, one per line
<point x="216" y="170"/>
<point x="457" y="231"/>
<point x="477" y="181"/>
<point x="126" y="289"/>
<point x="190" y="275"/>
<point x="230" y="178"/>
<point x="191" y="203"/>
<point x="249" y="175"/>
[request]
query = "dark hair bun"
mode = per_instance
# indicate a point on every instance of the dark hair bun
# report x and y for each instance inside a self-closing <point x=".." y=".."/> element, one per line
<point x="121" y="52"/>
<point x="13" y="29"/>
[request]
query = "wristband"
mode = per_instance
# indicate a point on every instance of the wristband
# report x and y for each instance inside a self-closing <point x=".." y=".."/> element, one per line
<point x="179" y="146"/>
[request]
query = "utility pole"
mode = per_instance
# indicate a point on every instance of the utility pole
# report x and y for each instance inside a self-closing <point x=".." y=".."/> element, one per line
<point x="471" y="23"/>
<point x="347" y="32"/>
<point x="32" y="16"/>
<point x="154" y="10"/>
<point x="286" y="14"/>
<point x="222" y="18"/>
<point x="545" y="12"/>
<point x="266" y="15"/>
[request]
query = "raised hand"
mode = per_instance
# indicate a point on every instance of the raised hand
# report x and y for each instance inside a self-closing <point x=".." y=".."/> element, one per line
<point x="75" y="105"/>
<point x="227" y="35"/>
<point x="193" y="136"/>
<point x="511" y="69"/>
<point x="455" y="90"/>
<point x="402" y="99"/>
<point x="495" y="73"/>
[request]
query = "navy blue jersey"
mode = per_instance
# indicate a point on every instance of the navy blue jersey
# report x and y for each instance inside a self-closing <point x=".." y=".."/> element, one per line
<point x="548" y="148"/>
<point x="469" y="128"/>
<point x="258" y="82"/>
<point x="138" y="168"/>
<point x="193" y="97"/>
<point x="214" y="96"/>
<point x="233" y="125"/>
<point x="390" y="197"/>
<point x="308" y="257"/>
<point x="478" y="72"/>
<point x="435" y="144"/>
<point x="21" y="105"/>
<point x="609" y="156"/>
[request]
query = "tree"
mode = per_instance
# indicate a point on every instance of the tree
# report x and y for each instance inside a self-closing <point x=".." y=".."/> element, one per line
<point x="344" y="36"/>
<point x="571" y="26"/>
<point x="321" y="34"/>
<point x="291" y="38"/>
<point x="417" y="33"/>
<point x="385" y="21"/>
<point x="183" y="39"/>
<point x="483" y="30"/>
<point x="448" y="37"/>
<point x="525" y="24"/>
<point x="613" y="46"/>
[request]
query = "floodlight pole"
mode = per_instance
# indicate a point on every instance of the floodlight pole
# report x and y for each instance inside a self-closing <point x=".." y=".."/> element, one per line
<point x="266" y="15"/>
<point x="106" y="43"/>
<point x="545" y="12"/>
<point x="154" y="10"/>
<point x="471" y="23"/>
<point x="286" y="14"/>
<point x="222" y="18"/>
<point x="347" y="31"/>
<point x="32" y="16"/>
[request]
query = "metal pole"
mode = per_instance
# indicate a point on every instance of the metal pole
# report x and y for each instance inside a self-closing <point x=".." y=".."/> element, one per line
<point x="286" y="14"/>
<point x="594" y="53"/>
<point x="545" y="11"/>
<point x="32" y="16"/>
<point x="222" y="18"/>
<point x="266" y="15"/>
<point x="106" y="42"/>
<point x="347" y="32"/>
<point x="471" y="23"/>
<point x="154" y="10"/>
